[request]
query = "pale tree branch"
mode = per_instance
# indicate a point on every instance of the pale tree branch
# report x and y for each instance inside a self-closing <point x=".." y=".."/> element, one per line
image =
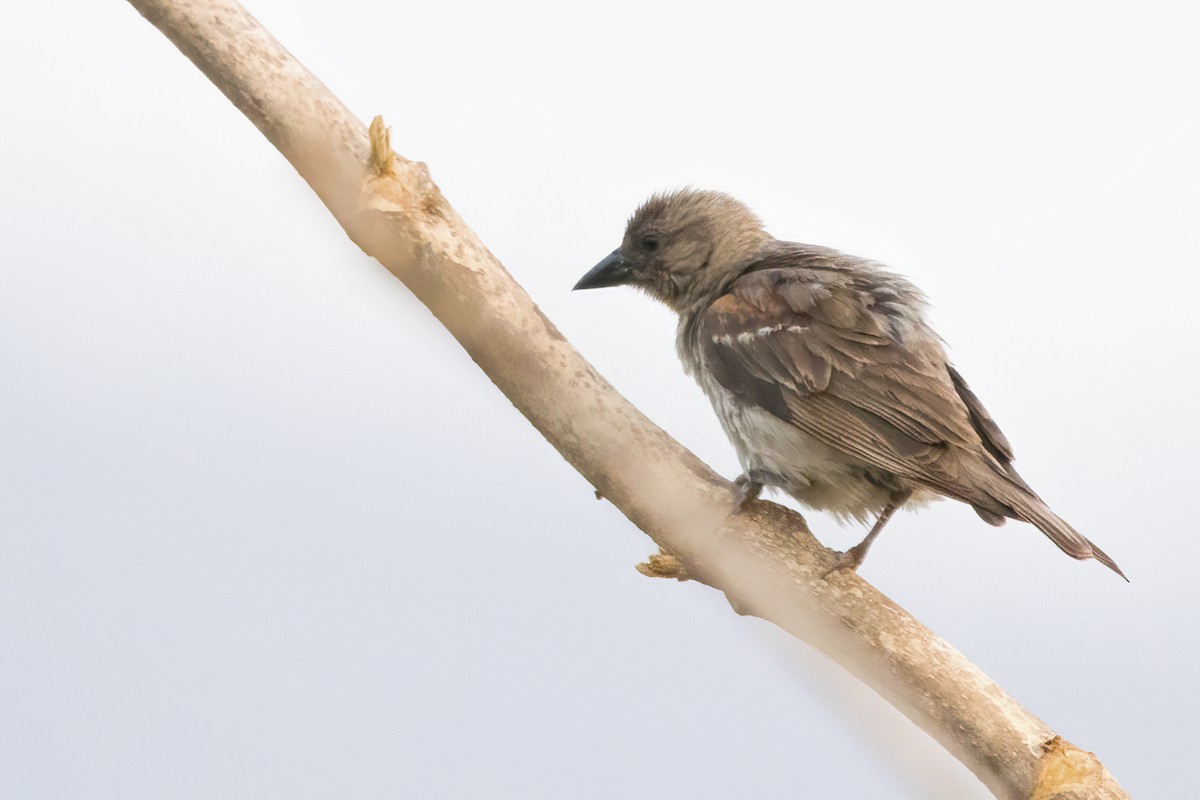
<point x="763" y="559"/>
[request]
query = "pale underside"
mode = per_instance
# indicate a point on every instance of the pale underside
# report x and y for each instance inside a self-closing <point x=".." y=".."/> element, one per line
<point x="784" y="457"/>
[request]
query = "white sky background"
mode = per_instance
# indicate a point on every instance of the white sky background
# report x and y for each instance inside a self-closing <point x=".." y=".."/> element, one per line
<point x="265" y="531"/>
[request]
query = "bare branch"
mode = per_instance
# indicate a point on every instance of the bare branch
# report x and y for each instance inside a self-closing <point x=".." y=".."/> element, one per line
<point x="763" y="559"/>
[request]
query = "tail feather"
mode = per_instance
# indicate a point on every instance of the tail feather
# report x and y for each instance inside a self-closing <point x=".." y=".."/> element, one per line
<point x="1069" y="540"/>
<point x="1000" y="492"/>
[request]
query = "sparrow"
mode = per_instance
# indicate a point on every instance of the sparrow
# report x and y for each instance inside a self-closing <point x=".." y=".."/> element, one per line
<point x="824" y="373"/>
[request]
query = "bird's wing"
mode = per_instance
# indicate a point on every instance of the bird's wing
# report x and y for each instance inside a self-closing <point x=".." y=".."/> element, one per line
<point x="841" y="360"/>
<point x="839" y="351"/>
<point x="989" y="432"/>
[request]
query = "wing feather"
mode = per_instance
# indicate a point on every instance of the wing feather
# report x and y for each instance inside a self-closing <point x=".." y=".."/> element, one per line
<point x="833" y="365"/>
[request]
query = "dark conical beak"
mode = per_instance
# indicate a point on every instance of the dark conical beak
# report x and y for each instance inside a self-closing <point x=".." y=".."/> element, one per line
<point x="612" y="271"/>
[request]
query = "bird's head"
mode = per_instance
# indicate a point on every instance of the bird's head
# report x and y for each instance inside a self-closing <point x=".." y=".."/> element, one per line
<point x="682" y="247"/>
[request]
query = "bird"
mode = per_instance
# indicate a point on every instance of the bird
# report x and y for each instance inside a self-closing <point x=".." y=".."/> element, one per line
<point x="823" y="370"/>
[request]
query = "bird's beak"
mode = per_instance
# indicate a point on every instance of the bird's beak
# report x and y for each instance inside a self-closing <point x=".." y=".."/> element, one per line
<point x="612" y="271"/>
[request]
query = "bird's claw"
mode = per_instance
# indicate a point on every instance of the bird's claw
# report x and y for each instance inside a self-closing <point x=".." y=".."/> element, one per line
<point x="850" y="559"/>
<point x="748" y="491"/>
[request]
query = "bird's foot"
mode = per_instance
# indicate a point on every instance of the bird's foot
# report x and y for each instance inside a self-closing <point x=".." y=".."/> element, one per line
<point x="663" y="565"/>
<point x="748" y="491"/>
<point x="750" y="485"/>
<point x="850" y="559"/>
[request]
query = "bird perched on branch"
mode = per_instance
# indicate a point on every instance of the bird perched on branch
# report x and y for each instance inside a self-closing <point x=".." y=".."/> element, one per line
<point x="823" y="371"/>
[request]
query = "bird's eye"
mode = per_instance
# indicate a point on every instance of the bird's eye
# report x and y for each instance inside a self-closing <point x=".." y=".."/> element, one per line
<point x="650" y="244"/>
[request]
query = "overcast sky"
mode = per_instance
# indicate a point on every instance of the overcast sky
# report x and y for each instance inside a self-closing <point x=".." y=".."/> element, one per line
<point x="265" y="531"/>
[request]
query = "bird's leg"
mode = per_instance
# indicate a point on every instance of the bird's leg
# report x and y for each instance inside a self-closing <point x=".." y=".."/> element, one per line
<point x="852" y="559"/>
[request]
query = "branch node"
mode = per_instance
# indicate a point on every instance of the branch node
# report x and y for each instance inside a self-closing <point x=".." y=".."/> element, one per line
<point x="1066" y="772"/>
<point x="663" y="565"/>
<point x="740" y="608"/>
<point x="397" y="185"/>
<point x="383" y="161"/>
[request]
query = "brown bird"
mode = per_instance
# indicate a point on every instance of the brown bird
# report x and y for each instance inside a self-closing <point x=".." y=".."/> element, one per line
<point x="823" y="371"/>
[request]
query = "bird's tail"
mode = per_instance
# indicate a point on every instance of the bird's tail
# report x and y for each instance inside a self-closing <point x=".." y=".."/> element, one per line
<point x="1030" y="508"/>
